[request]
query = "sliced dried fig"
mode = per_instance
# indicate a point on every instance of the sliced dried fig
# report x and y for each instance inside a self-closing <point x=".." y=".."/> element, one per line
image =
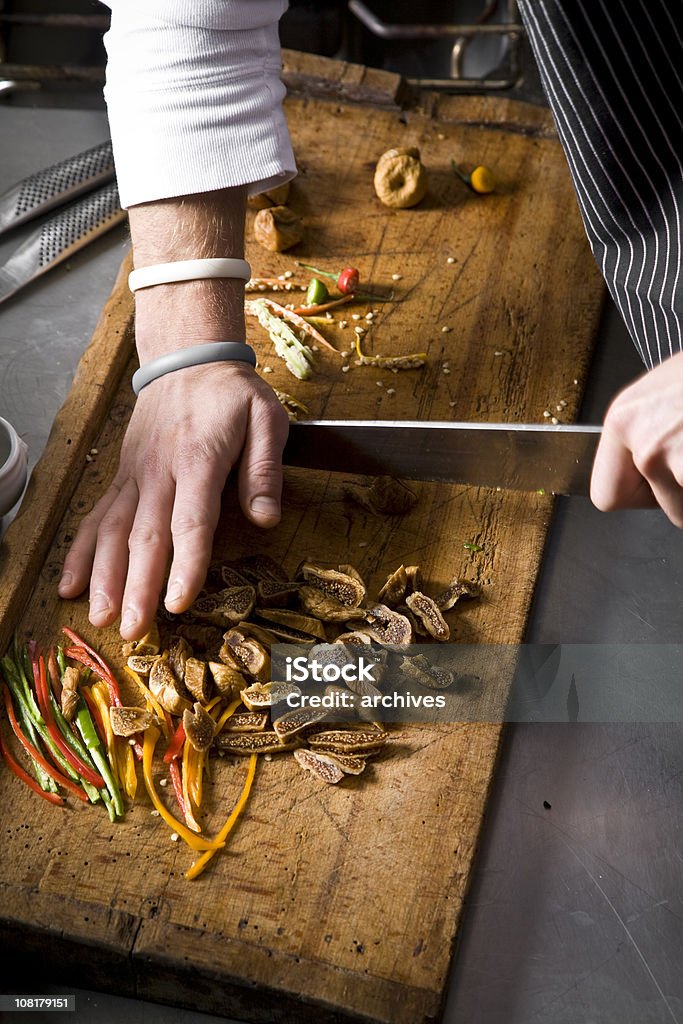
<point x="422" y="671"/>
<point x="70" y="693"/>
<point x="167" y="689"/>
<point x="247" y="721"/>
<point x="141" y="663"/>
<point x="347" y="588"/>
<point x="426" y="609"/>
<point x="348" y="741"/>
<point x="388" y="626"/>
<point x="199" y="727"/>
<point x="226" y="607"/>
<point x="276" y="594"/>
<point x="266" y="695"/>
<point x="356" y="637"/>
<point x="179" y="651"/>
<point x="350" y="764"/>
<point x="315" y="602"/>
<point x="127" y="721"/>
<point x="289" y="625"/>
<point x="150" y="643"/>
<point x="394" y="590"/>
<point x="252" y="743"/>
<point x="296" y="720"/>
<point x="260" y="567"/>
<point x="227" y="680"/>
<point x="197" y="679"/>
<point x="455" y="591"/>
<point x="320" y="764"/>
<point x="250" y="655"/>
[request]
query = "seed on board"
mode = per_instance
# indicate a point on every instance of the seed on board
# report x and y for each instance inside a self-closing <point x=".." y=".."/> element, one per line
<point x="344" y="354"/>
<point x="359" y="330"/>
<point x="396" y="277"/>
<point x="445" y="369"/>
<point x="546" y="414"/>
<point x="88" y="458"/>
<point x="391" y="391"/>
<point x="345" y="369"/>
<point x="554" y="420"/>
<point x="267" y="369"/>
<point x="154" y="814"/>
<point x="379" y="383"/>
<point x="562" y="404"/>
<point x="369" y="316"/>
<point x="355" y="316"/>
<point x="343" y="323"/>
<point x="287" y="274"/>
<point x="267" y="757"/>
<point x="163" y="782"/>
<point x="174" y="837"/>
<point x="452" y="404"/>
<point x="94" y="451"/>
<point x="498" y="353"/>
<point x="451" y="259"/>
<point x="445" y="329"/>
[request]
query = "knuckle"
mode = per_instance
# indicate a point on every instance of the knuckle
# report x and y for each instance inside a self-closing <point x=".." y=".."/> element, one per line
<point x="190" y="522"/>
<point x="112" y="523"/>
<point x="146" y="535"/>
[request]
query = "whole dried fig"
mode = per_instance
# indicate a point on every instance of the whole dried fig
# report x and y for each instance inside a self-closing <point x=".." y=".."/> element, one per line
<point x="400" y="178"/>
<point x="278" y="228"/>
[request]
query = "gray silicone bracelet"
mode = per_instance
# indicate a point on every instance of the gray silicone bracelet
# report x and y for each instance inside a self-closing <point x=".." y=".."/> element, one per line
<point x="216" y="352"/>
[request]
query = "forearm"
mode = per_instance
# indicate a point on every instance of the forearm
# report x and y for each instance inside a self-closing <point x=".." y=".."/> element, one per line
<point x="201" y="226"/>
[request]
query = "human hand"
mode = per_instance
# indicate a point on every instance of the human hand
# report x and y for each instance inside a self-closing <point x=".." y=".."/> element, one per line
<point x="639" y="462"/>
<point x="185" y="435"/>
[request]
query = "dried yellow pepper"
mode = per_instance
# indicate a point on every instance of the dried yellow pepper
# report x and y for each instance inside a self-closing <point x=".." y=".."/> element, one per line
<point x="201" y="863"/>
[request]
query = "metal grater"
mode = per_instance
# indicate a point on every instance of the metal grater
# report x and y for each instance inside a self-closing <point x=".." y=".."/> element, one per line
<point x="60" y="237"/>
<point x="56" y="185"/>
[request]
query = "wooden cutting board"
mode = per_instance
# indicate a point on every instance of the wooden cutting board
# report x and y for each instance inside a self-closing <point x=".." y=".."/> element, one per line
<point x="331" y="903"/>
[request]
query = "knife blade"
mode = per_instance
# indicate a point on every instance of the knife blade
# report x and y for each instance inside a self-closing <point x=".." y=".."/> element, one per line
<point x="514" y="456"/>
<point x="56" y="185"/>
<point x="60" y="236"/>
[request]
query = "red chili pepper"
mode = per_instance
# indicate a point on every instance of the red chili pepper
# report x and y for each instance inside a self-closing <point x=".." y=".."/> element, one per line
<point x="40" y="680"/>
<point x="177" y="781"/>
<point x="175" y="744"/>
<point x="54" y="798"/>
<point x="62" y="780"/>
<point x="347" y="280"/>
<point x="79" y="654"/>
<point x="109" y="677"/>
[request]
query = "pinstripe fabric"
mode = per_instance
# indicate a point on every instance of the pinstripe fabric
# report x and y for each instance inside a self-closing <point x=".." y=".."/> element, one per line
<point x="613" y="75"/>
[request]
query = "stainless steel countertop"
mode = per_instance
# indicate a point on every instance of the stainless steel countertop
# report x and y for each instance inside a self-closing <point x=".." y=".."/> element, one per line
<point x="576" y="911"/>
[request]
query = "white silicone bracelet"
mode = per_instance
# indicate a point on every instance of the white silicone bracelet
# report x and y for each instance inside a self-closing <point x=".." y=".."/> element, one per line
<point x="195" y="355"/>
<point x="187" y="270"/>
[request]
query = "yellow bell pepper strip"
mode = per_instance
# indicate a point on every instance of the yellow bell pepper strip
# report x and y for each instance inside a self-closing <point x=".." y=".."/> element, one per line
<point x="194" y="841"/>
<point x="126" y="761"/>
<point x="97" y="692"/>
<point x="229" y="711"/>
<point x="201" y="863"/>
<point x="213" y="703"/>
<point x="188" y="769"/>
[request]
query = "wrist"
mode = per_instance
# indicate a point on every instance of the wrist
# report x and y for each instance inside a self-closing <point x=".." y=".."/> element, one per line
<point x="173" y="316"/>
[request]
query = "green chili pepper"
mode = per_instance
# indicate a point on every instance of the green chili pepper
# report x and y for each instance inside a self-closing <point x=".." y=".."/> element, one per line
<point x="317" y="293"/>
<point x="470" y="546"/>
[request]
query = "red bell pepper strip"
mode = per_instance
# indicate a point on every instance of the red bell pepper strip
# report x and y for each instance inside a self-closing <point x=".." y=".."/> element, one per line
<point x="36" y="755"/>
<point x="16" y="768"/>
<point x="40" y="680"/>
<point x="175" y="745"/>
<point x="104" y="671"/>
<point x="177" y="781"/>
<point x="53" y="672"/>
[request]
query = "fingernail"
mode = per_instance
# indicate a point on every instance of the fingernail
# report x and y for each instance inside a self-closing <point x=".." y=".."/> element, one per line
<point x="129" y="619"/>
<point x="66" y="581"/>
<point x="99" y="603"/>
<point x="265" y="506"/>
<point x="174" y="592"/>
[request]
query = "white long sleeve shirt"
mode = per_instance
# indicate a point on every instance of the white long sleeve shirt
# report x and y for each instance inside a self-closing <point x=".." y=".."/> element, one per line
<point x="194" y="97"/>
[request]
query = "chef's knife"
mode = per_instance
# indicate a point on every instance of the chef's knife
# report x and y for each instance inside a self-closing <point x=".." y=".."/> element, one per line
<point x="56" y="185"/>
<point x="514" y="456"/>
<point x="60" y="237"/>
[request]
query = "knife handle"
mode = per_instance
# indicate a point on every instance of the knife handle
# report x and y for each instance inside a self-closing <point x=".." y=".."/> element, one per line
<point x="55" y="185"/>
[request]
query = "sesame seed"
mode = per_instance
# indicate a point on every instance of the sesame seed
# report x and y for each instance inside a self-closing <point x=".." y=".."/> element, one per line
<point x="276" y="287"/>
<point x="444" y="369"/>
<point x="396" y="277"/>
<point x="451" y="259"/>
<point x="391" y="391"/>
<point x="88" y="458"/>
<point x="154" y="814"/>
<point x="359" y="330"/>
<point x="379" y="383"/>
<point x="267" y="369"/>
<point x="575" y="381"/>
<point x="163" y="782"/>
<point x="345" y="369"/>
<point x="267" y="757"/>
<point x="287" y="274"/>
<point x="355" y="316"/>
<point x="344" y="354"/>
<point x="394" y="369"/>
<point x="446" y="362"/>
<point x="94" y="451"/>
<point x="554" y="420"/>
<point x="174" y="837"/>
<point x="363" y="543"/>
<point x="369" y="316"/>
<point x="441" y="136"/>
<point x="314" y="348"/>
<point x="498" y="353"/>
<point x="452" y="404"/>
<point x="559" y="408"/>
<point x="445" y="329"/>
<point x="546" y="414"/>
<point x="563" y="404"/>
<point x="281" y="277"/>
<point x="343" y="323"/>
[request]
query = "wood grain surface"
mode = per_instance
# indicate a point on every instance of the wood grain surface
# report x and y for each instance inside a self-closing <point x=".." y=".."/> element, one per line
<point x="338" y="902"/>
